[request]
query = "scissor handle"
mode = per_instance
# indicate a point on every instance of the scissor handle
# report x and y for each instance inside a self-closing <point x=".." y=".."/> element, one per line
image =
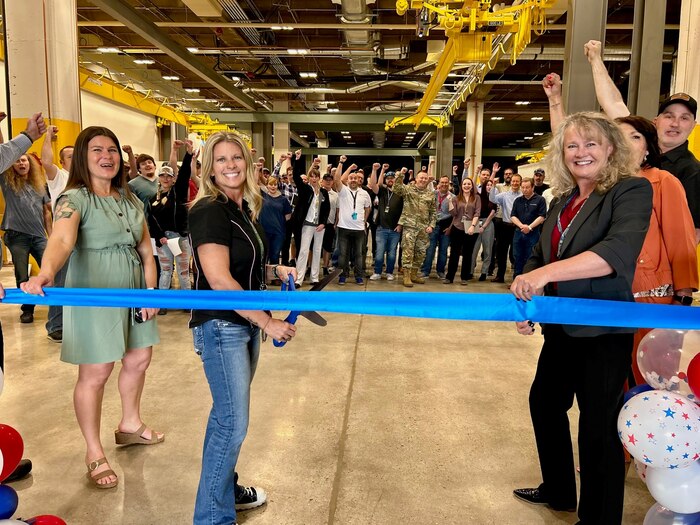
<point x="288" y="284"/>
<point x="292" y="317"/>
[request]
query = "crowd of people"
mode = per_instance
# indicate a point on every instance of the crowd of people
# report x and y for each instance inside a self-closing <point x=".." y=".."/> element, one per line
<point x="620" y="221"/>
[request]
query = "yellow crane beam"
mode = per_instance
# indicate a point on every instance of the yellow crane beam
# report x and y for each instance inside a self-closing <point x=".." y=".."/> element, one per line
<point x="470" y="31"/>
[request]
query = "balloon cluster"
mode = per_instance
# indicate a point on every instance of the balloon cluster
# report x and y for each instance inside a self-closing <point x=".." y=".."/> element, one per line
<point x="11" y="449"/>
<point x="659" y="425"/>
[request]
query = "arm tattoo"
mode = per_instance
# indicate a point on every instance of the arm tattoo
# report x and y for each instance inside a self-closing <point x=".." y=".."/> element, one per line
<point x="64" y="208"/>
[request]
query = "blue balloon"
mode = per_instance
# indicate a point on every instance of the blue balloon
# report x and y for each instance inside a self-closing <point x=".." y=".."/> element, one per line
<point x="637" y="390"/>
<point x="8" y="501"/>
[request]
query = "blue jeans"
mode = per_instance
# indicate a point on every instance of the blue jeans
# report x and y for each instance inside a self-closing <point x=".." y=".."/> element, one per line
<point x="274" y="241"/>
<point x="182" y="261"/>
<point x="229" y="354"/>
<point x="387" y="243"/>
<point x="439" y="241"/>
<point x="522" y="248"/>
<point x="21" y="246"/>
<point x="55" y="317"/>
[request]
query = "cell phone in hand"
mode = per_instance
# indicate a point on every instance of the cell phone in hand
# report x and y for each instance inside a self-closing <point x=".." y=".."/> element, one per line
<point x="136" y="313"/>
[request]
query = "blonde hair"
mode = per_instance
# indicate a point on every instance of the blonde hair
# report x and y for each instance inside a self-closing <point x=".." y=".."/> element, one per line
<point x="34" y="178"/>
<point x="595" y="126"/>
<point x="208" y="188"/>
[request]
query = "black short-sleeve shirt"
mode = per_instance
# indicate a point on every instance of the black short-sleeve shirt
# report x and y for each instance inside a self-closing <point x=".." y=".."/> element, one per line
<point x="223" y="222"/>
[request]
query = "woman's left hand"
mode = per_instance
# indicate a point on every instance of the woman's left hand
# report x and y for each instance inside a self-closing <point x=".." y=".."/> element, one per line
<point x="525" y="327"/>
<point x="148" y="313"/>
<point x="283" y="273"/>
<point x="527" y="285"/>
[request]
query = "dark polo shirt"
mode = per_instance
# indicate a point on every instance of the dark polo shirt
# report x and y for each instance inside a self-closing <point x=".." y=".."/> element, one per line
<point x="682" y="163"/>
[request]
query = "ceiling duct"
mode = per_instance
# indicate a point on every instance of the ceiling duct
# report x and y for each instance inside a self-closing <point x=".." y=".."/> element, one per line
<point x="253" y="36"/>
<point x="378" y="138"/>
<point x="356" y="12"/>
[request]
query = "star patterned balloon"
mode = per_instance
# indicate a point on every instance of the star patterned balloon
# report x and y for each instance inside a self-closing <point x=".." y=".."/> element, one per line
<point x="661" y="429"/>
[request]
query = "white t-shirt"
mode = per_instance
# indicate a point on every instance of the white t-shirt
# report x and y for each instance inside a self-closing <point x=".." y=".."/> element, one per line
<point x="351" y="207"/>
<point x="57" y="185"/>
<point x="333" y="195"/>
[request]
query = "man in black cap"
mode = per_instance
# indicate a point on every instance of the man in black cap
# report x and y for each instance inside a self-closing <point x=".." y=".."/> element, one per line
<point x="540" y="185"/>
<point x="674" y="123"/>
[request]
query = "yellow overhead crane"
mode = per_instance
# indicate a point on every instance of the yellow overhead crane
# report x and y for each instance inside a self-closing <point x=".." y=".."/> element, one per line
<point x="470" y="31"/>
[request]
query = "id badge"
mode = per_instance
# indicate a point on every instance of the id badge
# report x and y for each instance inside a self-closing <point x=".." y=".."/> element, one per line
<point x="386" y="209"/>
<point x="354" y="216"/>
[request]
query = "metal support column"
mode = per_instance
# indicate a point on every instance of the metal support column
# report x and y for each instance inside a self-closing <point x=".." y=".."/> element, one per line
<point x="444" y="153"/>
<point x="262" y="141"/>
<point x="585" y="20"/>
<point x="474" y="134"/>
<point x="647" y="53"/>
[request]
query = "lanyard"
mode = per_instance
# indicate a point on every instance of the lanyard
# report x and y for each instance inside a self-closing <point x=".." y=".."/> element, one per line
<point x="263" y="286"/>
<point x="564" y="232"/>
<point x="354" y="199"/>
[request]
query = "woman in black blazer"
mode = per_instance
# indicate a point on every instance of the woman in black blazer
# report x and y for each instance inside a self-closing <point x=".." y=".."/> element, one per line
<point x="588" y="249"/>
<point x="309" y="218"/>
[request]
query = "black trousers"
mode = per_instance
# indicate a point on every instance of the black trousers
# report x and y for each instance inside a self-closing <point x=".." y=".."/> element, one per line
<point x="351" y="241"/>
<point x="593" y="369"/>
<point x="462" y="244"/>
<point x="504" y="240"/>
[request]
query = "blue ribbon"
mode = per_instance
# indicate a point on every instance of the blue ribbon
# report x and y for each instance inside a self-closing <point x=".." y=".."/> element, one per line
<point x="459" y="306"/>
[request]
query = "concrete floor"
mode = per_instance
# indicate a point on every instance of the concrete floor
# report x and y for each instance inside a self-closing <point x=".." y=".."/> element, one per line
<point x="370" y="420"/>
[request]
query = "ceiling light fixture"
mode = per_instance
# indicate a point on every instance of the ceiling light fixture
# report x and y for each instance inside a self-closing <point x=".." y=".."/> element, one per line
<point x="145" y="61"/>
<point x="539" y="134"/>
<point x="536" y="118"/>
<point x="170" y="77"/>
<point x="529" y="138"/>
<point x="308" y="74"/>
<point x="108" y="50"/>
<point x="298" y="51"/>
<point x="498" y="118"/>
<point x="333" y="110"/>
<point x="192" y="90"/>
<point x="225" y="109"/>
<point x="522" y="103"/>
<point x="193" y="49"/>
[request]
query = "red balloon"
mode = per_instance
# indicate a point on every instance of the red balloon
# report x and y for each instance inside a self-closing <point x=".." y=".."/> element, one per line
<point x="46" y="519"/>
<point x="12" y="447"/>
<point x="694" y="375"/>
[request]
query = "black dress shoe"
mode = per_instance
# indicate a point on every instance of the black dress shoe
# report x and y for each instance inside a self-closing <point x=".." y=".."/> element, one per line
<point x="22" y="471"/>
<point x="26" y="317"/>
<point x="534" y="496"/>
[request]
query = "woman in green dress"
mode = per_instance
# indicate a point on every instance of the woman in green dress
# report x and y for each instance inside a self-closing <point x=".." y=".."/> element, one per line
<point x="100" y="225"/>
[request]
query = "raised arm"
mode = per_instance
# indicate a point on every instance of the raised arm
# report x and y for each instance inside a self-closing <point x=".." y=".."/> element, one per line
<point x="606" y="91"/>
<point x="373" y="182"/>
<point x="337" y="176"/>
<point x="134" y="171"/>
<point x="182" y="182"/>
<point x="552" y="88"/>
<point x="47" y="153"/>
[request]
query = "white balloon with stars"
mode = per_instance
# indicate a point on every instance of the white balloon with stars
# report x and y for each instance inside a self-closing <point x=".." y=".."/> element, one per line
<point x="661" y="429"/>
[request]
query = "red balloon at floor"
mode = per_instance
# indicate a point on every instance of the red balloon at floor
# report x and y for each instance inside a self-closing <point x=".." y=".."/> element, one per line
<point x="46" y="519"/>
<point x="694" y="375"/>
<point x="12" y="447"/>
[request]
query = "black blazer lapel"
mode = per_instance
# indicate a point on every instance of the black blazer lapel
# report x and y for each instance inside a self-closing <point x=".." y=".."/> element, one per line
<point x="594" y="200"/>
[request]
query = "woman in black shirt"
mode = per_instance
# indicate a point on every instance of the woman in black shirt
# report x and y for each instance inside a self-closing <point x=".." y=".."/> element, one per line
<point x="229" y="252"/>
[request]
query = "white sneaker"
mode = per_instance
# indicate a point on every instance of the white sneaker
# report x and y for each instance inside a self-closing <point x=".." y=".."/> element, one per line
<point x="375" y="277"/>
<point x="390" y="277"/>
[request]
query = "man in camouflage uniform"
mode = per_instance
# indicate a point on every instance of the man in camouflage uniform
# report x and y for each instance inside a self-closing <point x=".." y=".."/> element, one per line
<point x="418" y="220"/>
